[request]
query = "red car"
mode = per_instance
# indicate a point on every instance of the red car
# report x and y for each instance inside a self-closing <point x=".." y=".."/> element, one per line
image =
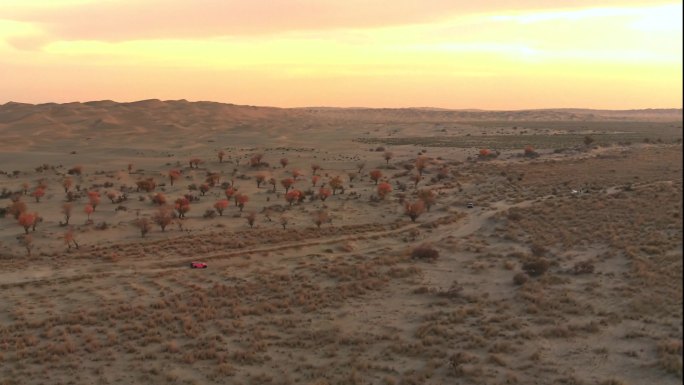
<point x="198" y="265"/>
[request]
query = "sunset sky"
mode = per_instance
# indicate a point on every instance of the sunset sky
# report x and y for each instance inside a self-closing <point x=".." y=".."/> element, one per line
<point x="373" y="53"/>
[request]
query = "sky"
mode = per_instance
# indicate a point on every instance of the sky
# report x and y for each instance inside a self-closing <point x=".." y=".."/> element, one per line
<point x="495" y="54"/>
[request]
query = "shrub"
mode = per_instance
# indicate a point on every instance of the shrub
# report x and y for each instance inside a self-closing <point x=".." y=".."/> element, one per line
<point x="163" y="217"/>
<point x="221" y="205"/>
<point x="520" y="278"/>
<point x="38" y="193"/>
<point x="384" y="189"/>
<point x="335" y="184"/>
<point x="66" y="210"/>
<point x="27" y="220"/>
<point x="425" y="252"/>
<point x="173" y="176"/>
<point x="324" y="193"/>
<point x="17" y="208"/>
<point x="287" y="184"/>
<point x="421" y="164"/>
<point x="536" y="267"/>
<point x="428" y="197"/>
<point x="260" y="178"/>
<point x="293" y="196"/>
<point x="241" y="200"/>
<point x="67" y="183"/>
<point x="414" y="209"/>
<point x="251" y="218"/>
<point x="143" y="224"/>
<point x="320" y="217"/>
<point x="94" y="198"/>
<point x="88" y="209"/>
<point x="182" y="206"/>
<point x="583" y="267"/>
<point x="76" y="170"/>
<point x="159" y="199"/>
<point x="375" y="175"/>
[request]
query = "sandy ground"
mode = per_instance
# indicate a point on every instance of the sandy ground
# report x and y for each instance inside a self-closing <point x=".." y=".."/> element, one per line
<point x="533" y="285"/>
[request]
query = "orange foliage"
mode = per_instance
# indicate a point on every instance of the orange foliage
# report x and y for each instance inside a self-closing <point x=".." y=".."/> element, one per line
<point x="324" y="193"/>
<point x="38" y="193"/>
<point x="221" y="205"/>
<point x="88" y="209"/>
<point x="27" y="220"/>
<point x="182" y="206"/>
<point x="173" y="176"/>
<point x="335" y="183"/>
<point x="287" y="183"/>
<point x="384" y="188"/>
<point x="94" y="198"/>
<point x="241" y="200"/>
<point x="375" y="175"/>
<point x="293" y="196"/>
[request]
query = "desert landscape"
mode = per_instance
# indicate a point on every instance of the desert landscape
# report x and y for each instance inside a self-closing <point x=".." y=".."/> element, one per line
<point x="340" y="243"/>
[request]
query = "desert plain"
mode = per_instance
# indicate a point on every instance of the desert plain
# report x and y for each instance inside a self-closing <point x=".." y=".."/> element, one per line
<point x="340" y="245"/>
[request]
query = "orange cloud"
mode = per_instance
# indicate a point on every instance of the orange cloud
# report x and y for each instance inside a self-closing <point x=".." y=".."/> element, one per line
<point x="134" y="19"/>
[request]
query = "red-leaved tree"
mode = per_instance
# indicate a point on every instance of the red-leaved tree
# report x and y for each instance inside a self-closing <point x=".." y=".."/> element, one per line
<point x="38" y="193"/>
<point x="27" y="220"/>
<point x="173" y="176"/>
<point x="384" y="189"/>
<point x="375" y="175"/>
<point x="221" y="205"/>
<point x="293" y="196"/>
<point x="88" y="210"/>
<point x="324" y="193"/>
<point x="182" y="206"/>
<point x="287" y="184"/>
<point x="241" y="200"/>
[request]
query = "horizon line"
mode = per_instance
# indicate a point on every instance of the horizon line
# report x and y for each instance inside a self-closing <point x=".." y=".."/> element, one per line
<point x="472" y="109"/>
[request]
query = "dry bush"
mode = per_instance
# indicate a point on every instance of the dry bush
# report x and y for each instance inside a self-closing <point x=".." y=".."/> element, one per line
<point x="147" y="185"/>
<point x="324" y="193"/>
<point x="425" y="252"/>
<point x="536" y="267"/>
<point x="583" y="267"/>
<point x="38" y="193"/>
<point x="159" y="199"/>
<point x="144" y="225"/>
<point x="335" y="184"/>
<point x="251" y="218"/>
<point x="76" y="170"/>
<point x="182" y="206"/>
<point x="241" y="200"/>
<point x="520" y="278"/>
<point x="428" y="197"/>
<point x="670" y="356"/>
<point x="17" y="208"/>
<point x="320" y="217"/>
<point x="287" y="184"/>
<point x="163" y="217"/>
<point x="414" y="209"/>
<point x="173" y="176"/>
